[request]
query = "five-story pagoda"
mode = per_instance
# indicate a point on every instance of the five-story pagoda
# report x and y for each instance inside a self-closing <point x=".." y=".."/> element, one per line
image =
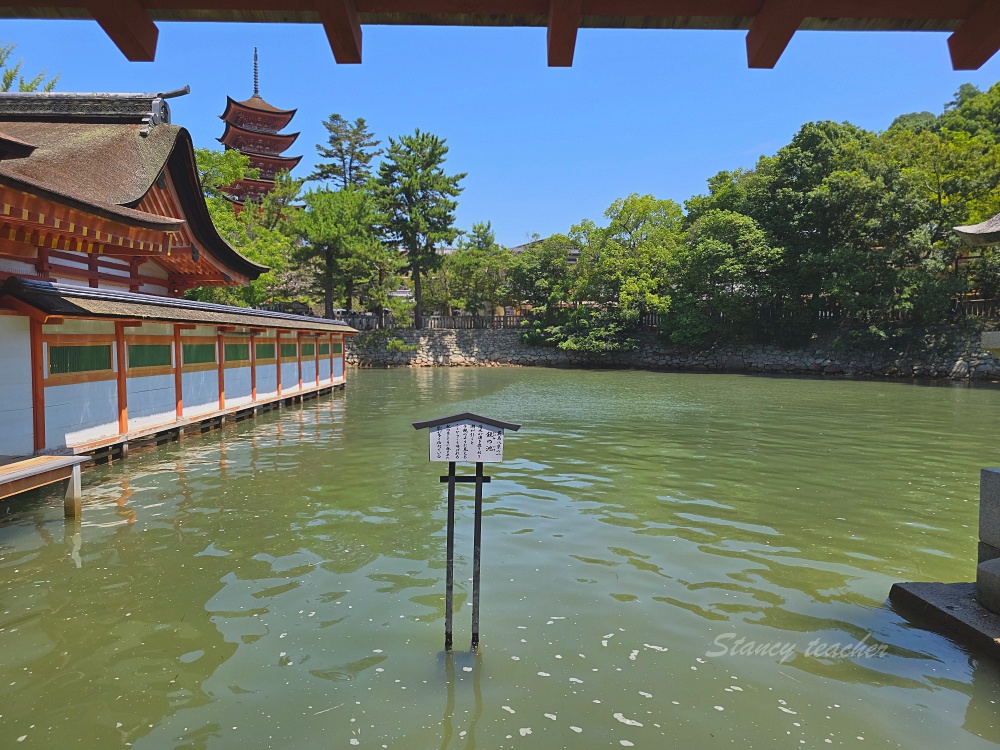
<point x="252" y="129"/>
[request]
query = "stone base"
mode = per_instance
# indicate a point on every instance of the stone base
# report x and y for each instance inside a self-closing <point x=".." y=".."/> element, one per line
<point x="951" y="607"/>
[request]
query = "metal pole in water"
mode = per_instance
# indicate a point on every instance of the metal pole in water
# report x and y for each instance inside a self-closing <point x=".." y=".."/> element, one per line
<point x="476" y="551"/>
<point x="450" y="574"/>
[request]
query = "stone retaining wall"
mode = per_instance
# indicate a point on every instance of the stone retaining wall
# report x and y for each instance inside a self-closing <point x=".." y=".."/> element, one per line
<point x="948" y="353"/>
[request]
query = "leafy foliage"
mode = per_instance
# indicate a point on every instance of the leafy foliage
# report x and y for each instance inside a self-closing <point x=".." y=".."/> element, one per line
<point x="349" y="153"/>
<point x="418" y="202"/>
<point x="12" y="76"/>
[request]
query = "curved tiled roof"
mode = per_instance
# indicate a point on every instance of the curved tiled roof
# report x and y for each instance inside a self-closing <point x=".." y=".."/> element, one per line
<point x="107" y="169"/>
<point x="979" y="235"/>
<point x="66" y="300"/>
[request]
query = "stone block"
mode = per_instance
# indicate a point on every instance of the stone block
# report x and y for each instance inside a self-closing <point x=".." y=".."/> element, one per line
<point x="989" y="507"/>
<point x="988" y="584"/>
<point x="987" y="552"/>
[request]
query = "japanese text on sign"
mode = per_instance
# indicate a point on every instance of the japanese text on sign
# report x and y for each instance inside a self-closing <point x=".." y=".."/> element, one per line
<point x="466" y="440"/>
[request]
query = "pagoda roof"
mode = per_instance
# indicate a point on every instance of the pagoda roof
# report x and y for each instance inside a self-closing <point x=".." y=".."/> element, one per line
<point x="291" y="161"/>
<point x="234" y="130"/>
<point x="257" y="104"/>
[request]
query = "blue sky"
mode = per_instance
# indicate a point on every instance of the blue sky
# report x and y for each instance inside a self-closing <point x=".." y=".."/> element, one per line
<point x="641" y="110"/>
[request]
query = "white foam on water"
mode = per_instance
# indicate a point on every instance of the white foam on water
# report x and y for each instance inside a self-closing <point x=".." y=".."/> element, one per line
<point x="516" y="658"/>
<point x="624" y="720"/>
<point x="633" y="655"/>
<point x="737" y="688"/>
<point x="645" y="695"/>
<point x="625" y="743"/>
<point x="718" y="708"/>
<point x="576" y="680"/>
<point x="550" y="716"/>
<point x="655" y="648"/>
<point x="544" y="674"/>
<point x="578" y="730"/>
<point x="508" y="709"/>
<point x="604" y="643"/>
<point x="788" y="710"/>
<point x="524" y="731"/>
<point x="466" y="669"/>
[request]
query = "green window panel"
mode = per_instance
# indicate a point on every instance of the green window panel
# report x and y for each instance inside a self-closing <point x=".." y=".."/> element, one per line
<point x="67" y="359"/>
<point x="265" y="351"/>
<point x="288" y="351"/>
<point x="324" y="350"/>
<point x="237" y="352"/>
<point x="309" y="350"/>
<point x="149" y="355"/>
<point x="338" y="348"/>
<point x="196" y="354"/>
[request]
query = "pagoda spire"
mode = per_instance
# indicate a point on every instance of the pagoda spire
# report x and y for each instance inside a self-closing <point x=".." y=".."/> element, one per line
<point x="256" y="79"/>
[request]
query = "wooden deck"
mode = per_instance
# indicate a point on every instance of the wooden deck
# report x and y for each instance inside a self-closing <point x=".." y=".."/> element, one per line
<point x="23" y="474"/>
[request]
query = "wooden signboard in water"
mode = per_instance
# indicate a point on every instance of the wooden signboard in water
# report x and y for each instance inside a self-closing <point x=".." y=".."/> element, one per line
<point x="476" y="439"/>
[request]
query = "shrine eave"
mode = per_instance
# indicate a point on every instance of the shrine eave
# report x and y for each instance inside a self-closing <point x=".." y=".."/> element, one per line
<point x="769" y="24"/>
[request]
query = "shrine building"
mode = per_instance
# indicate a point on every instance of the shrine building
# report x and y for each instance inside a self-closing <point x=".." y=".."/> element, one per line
<point x="103" y="227"/>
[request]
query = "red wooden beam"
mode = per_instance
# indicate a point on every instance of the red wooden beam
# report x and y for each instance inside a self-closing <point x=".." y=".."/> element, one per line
<point x="564" y="20"/>
<point x="343" y="30"/>
<point x="978" y="39"/>
<point x="772" y="29"/>
<point x="126" y="22"/>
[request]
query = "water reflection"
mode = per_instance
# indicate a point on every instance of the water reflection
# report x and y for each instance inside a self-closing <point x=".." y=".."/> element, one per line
<point x="280" y="582"/>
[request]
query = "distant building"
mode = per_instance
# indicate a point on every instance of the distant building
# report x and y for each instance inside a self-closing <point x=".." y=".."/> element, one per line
<point x="571" y="259"/>
<point x="252" y="127"/>
<point x="103" y="226"/>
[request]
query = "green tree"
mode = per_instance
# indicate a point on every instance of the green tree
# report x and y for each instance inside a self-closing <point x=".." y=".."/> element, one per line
<point x="477" y="270"/>
<point x="349" y="155"/>
<point x="418" y="200"/>
<point x="12" y="76"/>
<point x="262" y="231"/>
<point x="341" y="244"/>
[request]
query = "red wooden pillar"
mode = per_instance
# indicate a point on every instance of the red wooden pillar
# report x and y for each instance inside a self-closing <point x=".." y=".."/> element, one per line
<point x="122" y="387"/>
<point x="298" y="355"/>
<point x="277" y="354"/>
<point x="253" y="368"/>
<point x="222" y="370"/>
<point x="178" y="372"/>
<point x="316" y="353"/>
<point x="331" y="357"/>
<point x="37" y="383"/>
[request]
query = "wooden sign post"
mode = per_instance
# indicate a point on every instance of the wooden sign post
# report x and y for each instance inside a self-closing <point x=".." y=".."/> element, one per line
<point x="474" y="439"/>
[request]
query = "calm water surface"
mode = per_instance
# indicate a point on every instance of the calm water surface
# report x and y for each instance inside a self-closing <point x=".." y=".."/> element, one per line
<point x="281" y="584"/>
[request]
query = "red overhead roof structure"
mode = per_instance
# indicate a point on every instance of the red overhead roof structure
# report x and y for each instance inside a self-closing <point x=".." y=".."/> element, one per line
<point x="770" y="24"/>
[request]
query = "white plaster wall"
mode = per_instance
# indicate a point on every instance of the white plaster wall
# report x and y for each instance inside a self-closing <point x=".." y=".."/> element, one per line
<point x="152" y="400"/>
<point x="18" y="267"/>
<point x="267" y="381"/>
<point x="71" y="325"/>
<point x="308" y="373"/>
<point x="153" y="289"/>
<point x="154" y="329"/>
<point x="200" y="391"/>
<point x="338" y="368"/>
<point x="150" y="268"/>
<point x="324" y="369"/>
<point x="239" y="388"/>
<point x="80" y="413"/>
<point x="289" y="377"/>
<point x="16" y="413"/>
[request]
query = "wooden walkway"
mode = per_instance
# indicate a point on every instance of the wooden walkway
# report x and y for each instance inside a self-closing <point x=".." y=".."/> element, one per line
<point x="23" y="474"/>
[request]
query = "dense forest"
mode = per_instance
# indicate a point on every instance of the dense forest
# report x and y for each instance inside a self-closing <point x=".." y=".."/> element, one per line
<point x="841" y="227"/>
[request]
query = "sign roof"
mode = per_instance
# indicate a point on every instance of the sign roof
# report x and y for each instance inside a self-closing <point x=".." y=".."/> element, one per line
<point x="467" y="415"/>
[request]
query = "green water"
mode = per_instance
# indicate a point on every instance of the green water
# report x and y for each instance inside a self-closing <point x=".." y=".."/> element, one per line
<point x="281" y="583"/>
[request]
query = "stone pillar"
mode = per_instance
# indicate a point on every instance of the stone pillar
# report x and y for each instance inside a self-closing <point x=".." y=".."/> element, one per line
<point x="988" y="569"/>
